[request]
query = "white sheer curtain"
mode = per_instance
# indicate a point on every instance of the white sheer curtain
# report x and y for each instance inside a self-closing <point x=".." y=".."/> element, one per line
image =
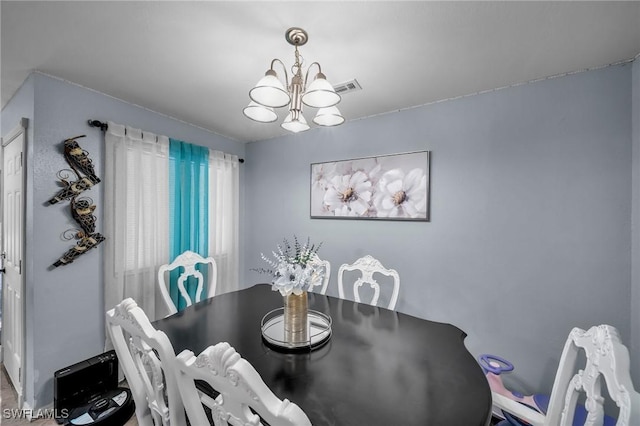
<point x="223" y="218"/>
<point x="136" y="216"/>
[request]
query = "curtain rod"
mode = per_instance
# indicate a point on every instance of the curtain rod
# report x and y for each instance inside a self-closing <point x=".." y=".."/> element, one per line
<point x="105" y="126"/>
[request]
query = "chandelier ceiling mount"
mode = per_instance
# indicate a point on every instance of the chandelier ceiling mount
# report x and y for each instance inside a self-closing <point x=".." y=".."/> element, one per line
<point x="296" y="36"/>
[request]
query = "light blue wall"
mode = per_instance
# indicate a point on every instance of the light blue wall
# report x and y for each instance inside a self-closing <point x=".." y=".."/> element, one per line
<point x="22" y="106"/>
<point x="66" y="304"/>
<point x="529" y="235"/>
<point x="530" y="216"/>
<point x="635" y="226"/>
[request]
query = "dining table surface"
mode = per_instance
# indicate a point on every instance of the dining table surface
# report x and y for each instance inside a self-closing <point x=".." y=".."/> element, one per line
<point x="378" y="368"/>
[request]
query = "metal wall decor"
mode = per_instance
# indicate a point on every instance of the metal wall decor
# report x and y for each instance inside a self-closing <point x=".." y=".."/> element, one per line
<point x="81" y="165"/>
<point x="82" y="208"/>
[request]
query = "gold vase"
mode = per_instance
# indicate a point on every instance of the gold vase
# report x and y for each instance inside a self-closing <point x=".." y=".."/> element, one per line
<point x="296" y="326"/>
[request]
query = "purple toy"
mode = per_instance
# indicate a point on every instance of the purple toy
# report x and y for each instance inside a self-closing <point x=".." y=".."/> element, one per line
<point x="493" y="366"/>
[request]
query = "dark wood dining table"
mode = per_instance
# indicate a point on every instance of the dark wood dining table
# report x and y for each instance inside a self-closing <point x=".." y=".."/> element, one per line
<point x="379" y="367"/>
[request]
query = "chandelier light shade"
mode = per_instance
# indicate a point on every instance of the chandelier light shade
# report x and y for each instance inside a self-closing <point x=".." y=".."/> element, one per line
<point x="295" y="125"/>
<point x="320" y="94"/>
<point x="260" y="113"/>
<point x="270" y="92"/>
<point x="328" y="117"/>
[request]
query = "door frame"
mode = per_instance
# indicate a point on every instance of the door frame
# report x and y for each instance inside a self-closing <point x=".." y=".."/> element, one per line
<point x="21" y="128"/>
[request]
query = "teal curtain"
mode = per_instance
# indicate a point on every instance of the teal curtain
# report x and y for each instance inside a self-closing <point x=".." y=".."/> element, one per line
<point x="188" y="203"/>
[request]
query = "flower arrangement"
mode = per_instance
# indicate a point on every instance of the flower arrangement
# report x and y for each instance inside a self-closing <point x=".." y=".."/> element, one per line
<point x="293" y="268"/>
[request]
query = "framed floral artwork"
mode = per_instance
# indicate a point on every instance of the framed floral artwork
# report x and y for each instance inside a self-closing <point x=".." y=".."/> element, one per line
<point x="389" y="187"/>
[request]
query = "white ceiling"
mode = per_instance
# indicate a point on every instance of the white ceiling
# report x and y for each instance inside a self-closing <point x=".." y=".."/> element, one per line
<point x="196" y="61"/>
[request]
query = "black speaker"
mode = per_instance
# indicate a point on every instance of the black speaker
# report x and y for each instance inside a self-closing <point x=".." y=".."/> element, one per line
<point x="87" y="393"/>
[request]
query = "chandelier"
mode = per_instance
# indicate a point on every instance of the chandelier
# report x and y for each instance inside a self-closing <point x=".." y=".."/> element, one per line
<point x="270" y="93"/>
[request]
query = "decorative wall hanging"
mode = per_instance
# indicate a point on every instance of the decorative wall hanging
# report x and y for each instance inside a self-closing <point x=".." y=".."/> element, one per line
<point x="390" y="187"/>
<point x="80" y="164"/>
<point x="82" y="208"/>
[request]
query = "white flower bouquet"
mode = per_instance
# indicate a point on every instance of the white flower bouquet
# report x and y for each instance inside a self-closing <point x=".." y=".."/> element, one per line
<point x="294" y="268"/>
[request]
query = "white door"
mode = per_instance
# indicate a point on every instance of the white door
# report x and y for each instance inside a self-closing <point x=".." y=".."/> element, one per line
<point x="13" y="232"/>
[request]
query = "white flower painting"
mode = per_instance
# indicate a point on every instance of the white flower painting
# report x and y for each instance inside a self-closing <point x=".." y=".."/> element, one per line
<point x="394" y="187"/>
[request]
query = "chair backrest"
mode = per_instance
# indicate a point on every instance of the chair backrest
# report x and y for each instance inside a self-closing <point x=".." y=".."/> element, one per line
<point x="188" y="261"/>
<point x="147" y="359"/>
<point x="606" y="358"/>
<point x="368" y="265"/>
<point x="326" y="266"/>
<point x="242" y="392"/>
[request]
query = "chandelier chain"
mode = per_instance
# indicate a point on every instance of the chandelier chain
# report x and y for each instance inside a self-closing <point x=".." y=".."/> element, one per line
<point x="296" y="68"/>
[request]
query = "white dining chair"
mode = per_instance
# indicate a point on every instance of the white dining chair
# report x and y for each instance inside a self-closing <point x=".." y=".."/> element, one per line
<point x="367" y="266"/>
<point x="147" y="359"/>
<point x="325" y="266"/>
<point x="188" y="262"/>
<point x="243" y="399"/>
<point x="607" y="360"/>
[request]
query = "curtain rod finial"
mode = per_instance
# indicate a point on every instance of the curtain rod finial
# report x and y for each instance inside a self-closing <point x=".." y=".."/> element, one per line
<point x="101" y="125"/>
